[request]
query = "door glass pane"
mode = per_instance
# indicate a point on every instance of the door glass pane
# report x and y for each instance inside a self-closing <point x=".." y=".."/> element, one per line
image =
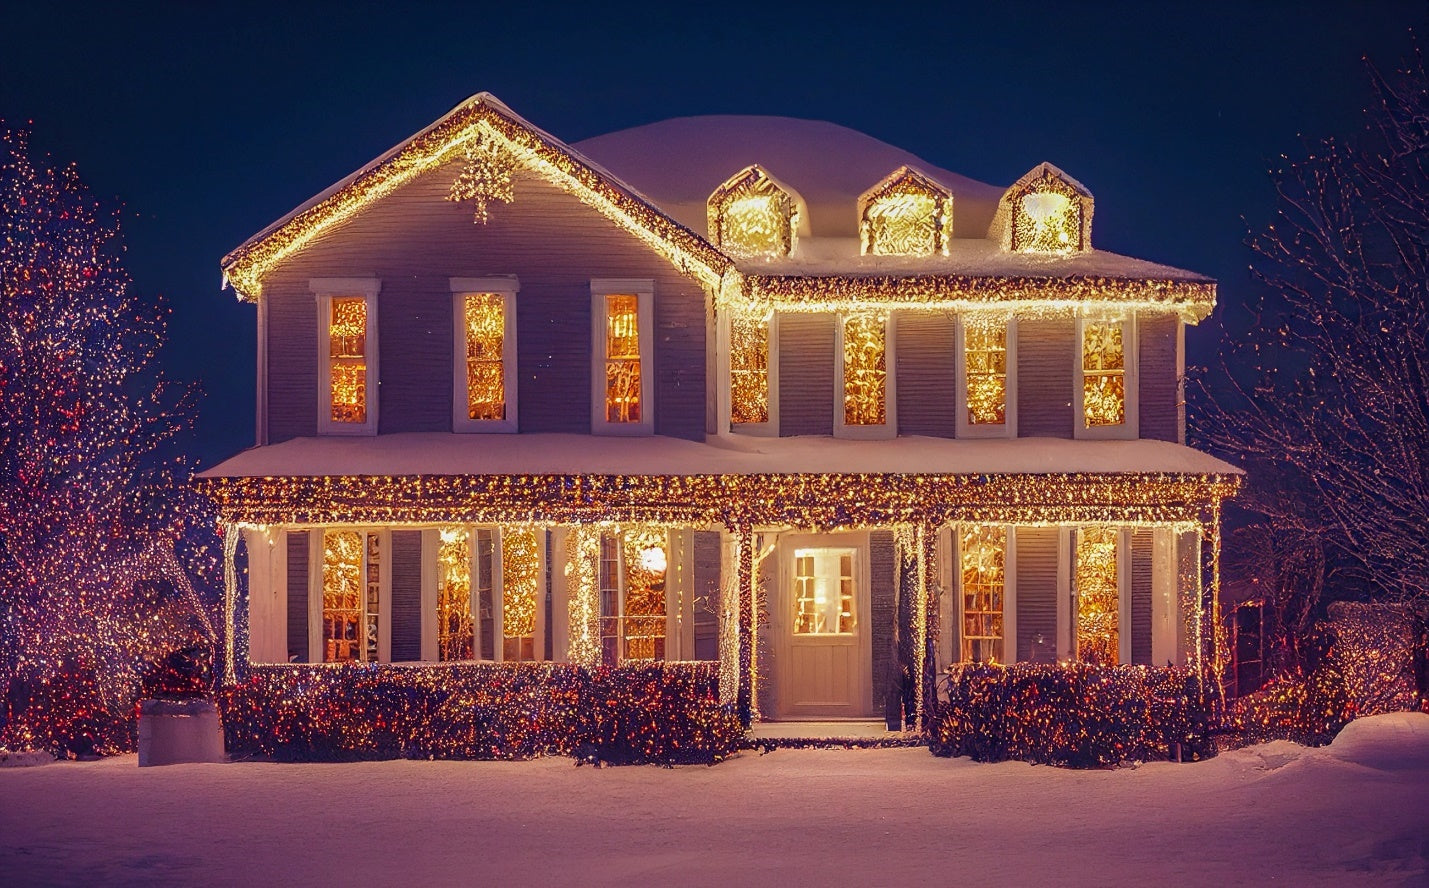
<point x="824" y="593"/>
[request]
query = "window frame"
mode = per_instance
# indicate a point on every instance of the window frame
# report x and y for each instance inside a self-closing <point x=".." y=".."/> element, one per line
<point x="1069" y="631"/>
<point x="1009" y="593"/>
<point x="674" y="607"/>
<point x="644" y="290"/>
<point x="1130" y="427"/>
<point x="770" y="427"/>
<point x="966" y="428"/>
<point x="506" y="286"/>
<point x="431" y="540"/>
<point x="326" y="290"/>
<point x="316" y="647"/>
<point x="889" y="427"/>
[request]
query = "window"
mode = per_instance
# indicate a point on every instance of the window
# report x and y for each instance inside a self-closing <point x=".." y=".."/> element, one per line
<point x="351" y="595"/>
<point x="1106" y="405"/>
<point x="865" y="404"/>
<point x="824" y="602"/>
<point x="489" y="595"/>
<point x="751" y="378"/>
<point x="347" y="343"/>
<point x="987" y="368"/>
<point x="983" y="553"/>
<point x="633" y="595"/>
<point x="1046" y="211"/>
<point x="906" y="214"/>
<point x="484" y="373"/>
<point x="1097" y="585"/>
<point x="753" y="215"/>
<point x="621" y="337"/>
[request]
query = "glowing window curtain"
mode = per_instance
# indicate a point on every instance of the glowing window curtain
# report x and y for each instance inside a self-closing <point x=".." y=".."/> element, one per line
<point x="985" y="360"/>
<point x="824" y="592"/>
<point x="485" y="322"/>
<point x="347" y="359"/>
<point x="342" y="596"/>
<point x="749" y="369"/>
<point x="1103" y="374"/>
<point x="456" y="635"/>
<point x="520" y="583"/>
<point x="1047" y="217"/>
<point x="903" y="223"/>
<point x="622" y="359"/>
<point x="1098" y="595"/>
<point x="865" y="370"/>
<point x="984" y="564"/>
<point x="646" y="563"/>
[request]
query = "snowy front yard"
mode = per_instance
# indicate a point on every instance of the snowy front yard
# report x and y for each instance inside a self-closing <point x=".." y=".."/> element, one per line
<point x="1356" y="812"/>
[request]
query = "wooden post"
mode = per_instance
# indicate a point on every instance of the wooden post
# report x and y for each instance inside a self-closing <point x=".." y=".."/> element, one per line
<point x="926" y="621"/>
<point x="230" y="599"/>
<point x="748" y="624"/>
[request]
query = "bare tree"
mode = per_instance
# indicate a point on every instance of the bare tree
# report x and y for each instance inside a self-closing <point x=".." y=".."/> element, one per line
<point x="1322" y="390"/>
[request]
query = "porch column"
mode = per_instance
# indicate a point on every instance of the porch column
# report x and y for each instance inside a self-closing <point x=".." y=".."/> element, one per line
<point x="748" y="701"/>
<point x="925" y="621"/>
<point x="1218" y="629"/>
<point x="230" y="599"/>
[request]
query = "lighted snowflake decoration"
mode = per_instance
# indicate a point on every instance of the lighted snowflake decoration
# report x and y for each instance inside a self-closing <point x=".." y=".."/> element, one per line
<point x="486" y="177"/>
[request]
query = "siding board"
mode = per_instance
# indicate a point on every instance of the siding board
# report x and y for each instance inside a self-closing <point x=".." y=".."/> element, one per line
<point x="806" y="374"/>
<point x="298" y="596"/>
<point x="406" y="595"/>
<point x="926" y="371"/>
<point x="1037" y="592"/>
<point x="1158" y="385"/>
<point x="1045" y="363"/>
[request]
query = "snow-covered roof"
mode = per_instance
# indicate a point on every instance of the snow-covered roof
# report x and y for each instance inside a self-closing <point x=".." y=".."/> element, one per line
<point x="438" y="453"/>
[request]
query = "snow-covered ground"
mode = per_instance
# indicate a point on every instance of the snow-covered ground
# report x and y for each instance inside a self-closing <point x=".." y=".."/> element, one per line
<point x="1356" y="812"/>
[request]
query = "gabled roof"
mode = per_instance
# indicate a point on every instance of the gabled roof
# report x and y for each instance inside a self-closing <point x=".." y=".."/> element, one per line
<point x="483" y="115"/>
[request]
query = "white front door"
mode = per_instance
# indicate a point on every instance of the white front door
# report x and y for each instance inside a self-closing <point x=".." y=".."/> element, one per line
<point x="823" y="660"/>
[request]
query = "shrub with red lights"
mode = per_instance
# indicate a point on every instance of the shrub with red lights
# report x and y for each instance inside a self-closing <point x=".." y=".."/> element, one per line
<point x="1075" y="716"/>
<point x="667" y="713"/>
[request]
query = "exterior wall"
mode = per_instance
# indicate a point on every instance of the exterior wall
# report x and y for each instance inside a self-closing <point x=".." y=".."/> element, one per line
<point x="883" y="608"/>
<point x="926" y="369"/>
<point x="1045" y="387"/>
<point x="414" y="241"/>
<point x="1037" y="549"/>
<point x="1159" y="381"/>
<point x="807" y="364"/>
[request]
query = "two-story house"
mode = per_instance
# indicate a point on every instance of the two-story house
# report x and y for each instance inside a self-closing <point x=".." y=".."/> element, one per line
<point x="756" y="390"/>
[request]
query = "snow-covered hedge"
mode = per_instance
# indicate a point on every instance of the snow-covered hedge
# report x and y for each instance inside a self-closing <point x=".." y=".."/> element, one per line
<point x="1074" y="716"/>
<point x="668" y="713"/>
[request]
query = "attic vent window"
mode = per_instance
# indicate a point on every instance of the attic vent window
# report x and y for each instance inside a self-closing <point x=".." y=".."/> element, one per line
<point x="906" y="214"/>
<point x="751" y="215"/>
<point x="1048" y="216"/>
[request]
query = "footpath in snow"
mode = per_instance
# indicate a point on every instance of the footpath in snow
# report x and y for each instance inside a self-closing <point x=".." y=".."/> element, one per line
<point x="1353" y="813"/>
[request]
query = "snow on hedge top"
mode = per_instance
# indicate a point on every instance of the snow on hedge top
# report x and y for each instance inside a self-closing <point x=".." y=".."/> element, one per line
<point x="438" y="453"/>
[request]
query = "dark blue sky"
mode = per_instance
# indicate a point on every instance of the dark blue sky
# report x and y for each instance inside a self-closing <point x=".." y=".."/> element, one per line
<point x="210" y="120"/>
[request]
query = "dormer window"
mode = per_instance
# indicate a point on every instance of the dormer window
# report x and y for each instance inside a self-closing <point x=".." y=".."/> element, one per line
<point x="1046" y="212"/>
<point x="753" y="215"/>
<point x="906" y="214"/>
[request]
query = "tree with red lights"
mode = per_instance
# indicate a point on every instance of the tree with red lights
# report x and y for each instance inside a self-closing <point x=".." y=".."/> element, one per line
<point x="91" y="504"/>
<point x="1324" y="396"/>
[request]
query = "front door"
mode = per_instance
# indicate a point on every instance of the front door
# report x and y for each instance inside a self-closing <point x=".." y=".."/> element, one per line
<point x="821" y="624"/>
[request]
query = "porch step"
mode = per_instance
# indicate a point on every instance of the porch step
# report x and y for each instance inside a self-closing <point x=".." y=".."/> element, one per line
<point x="845" y="733"/>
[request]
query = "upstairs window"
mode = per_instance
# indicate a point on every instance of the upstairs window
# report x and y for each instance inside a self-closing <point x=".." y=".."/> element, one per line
<point x="484" y="380"/>
<point x="347" y="357"/>
<point x="1046" y="212"/>
<point x="865" y="390"/>
<point x="753" y="215"/>
<point x="749" y="366"/>
<point x="987" y="368"/>
<point x="906" y="214"/>
<point x="1106" y="368"/>
<point x="622" y="318"/>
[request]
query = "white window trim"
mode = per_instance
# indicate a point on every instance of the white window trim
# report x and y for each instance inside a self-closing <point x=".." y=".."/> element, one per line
<point x="1131" y="428"/>
<point x="316" y="650"/>
<point x="965" y="428"/>
<point x="1009" y="594"/>
<point x="507" y="287"/>
<point x="644" y="289"/>
<point x="889" y="427"/>
<point x="326" y="289"/>
<point x="766" y="429"/>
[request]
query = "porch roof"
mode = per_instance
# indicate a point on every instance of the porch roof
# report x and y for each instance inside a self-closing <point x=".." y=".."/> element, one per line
<point x="438" y="453"/>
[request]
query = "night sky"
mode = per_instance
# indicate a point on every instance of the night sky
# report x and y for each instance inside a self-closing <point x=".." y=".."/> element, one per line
<point x="210" y="120"/>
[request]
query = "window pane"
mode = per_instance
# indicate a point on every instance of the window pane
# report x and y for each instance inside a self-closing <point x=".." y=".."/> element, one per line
<point x="520" y="585"/>
<point x="342" y="595"/>
<point x="622" y="359"/>
<point x="1103" y="374"/>
<point x="1098" y="607"/>
<point x="903" y="222"/>
<point x="456" y="635"/>
<point x="984" y="562"/>
<point x="485" y="322"/>
<point x="749" y="369"/>
<point x="825" y="599"/>
<point x="985" y="352"/>
<point x="347" y="359"/>
<point x="865" y="370"/>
